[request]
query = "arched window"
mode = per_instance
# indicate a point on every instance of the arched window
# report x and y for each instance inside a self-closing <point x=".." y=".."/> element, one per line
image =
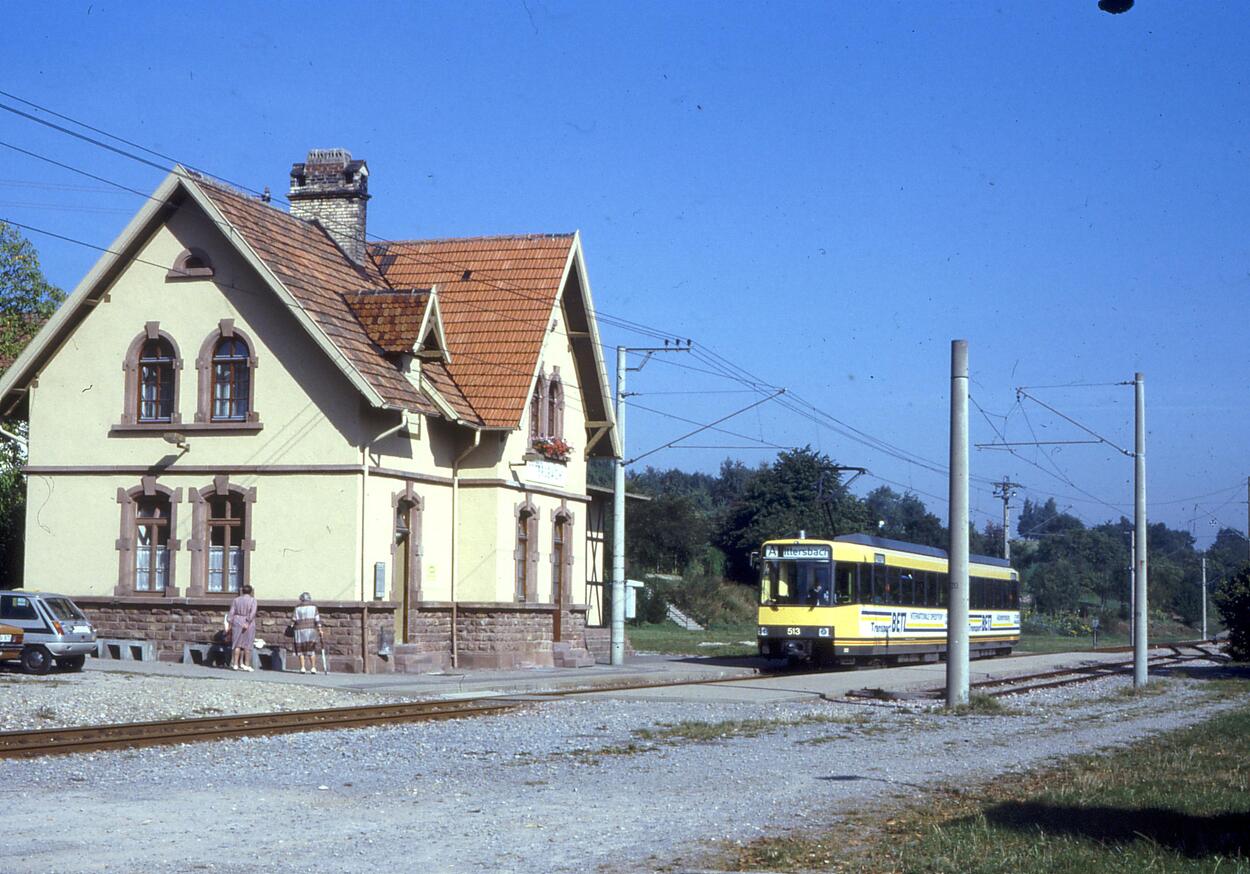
<point x="561" y="558"/>
<point x="152" y="535"/>
<point x="190" y="264"/>
<point x="156" y="381"/>
<point x="227" y="382"/>
<point x="526" y="553"/>
<point x="555" y="407"/>
<point x="227" y="515"/>
<point x="231" y="380"/>
<point x="221" y="543"/>
<point x="147" y="547"/>
<point x="537" y="408"/>
<point x="406" y="559"/>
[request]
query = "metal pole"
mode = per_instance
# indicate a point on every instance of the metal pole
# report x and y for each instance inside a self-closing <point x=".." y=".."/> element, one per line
<point x="957" y="614"/>
<point x="1132" y="583"/>
<point x="1139" y="495"/>
<point x="1006" y="523"/>
<point x="618" y="521"/>
<point x="1204" y="597"/>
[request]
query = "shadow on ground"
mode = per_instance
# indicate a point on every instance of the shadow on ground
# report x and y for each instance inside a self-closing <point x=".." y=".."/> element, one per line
<point x="1225" y="834"/>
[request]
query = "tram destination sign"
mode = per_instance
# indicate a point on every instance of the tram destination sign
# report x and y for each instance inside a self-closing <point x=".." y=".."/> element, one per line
<point x="808" y="551"/>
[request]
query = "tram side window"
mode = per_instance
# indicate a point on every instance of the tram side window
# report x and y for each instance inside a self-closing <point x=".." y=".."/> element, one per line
<point x="865" y="583"/>
<point x="1015" y="595"/>
<point x="943" y="584"/>
<point x="930" y="589"/>
<point x="977" y="593"/>
<point x="844" y="583"/>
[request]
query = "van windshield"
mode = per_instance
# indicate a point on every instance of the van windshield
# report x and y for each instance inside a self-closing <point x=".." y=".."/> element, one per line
<point x="63" y="609"/>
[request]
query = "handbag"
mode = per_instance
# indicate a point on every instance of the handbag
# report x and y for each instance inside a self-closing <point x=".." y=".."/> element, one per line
<point x="289" y="631"/>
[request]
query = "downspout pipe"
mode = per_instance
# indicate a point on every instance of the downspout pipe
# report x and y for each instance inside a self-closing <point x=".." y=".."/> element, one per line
<point x="364" y="494"/>
<point x="455" y="539"/>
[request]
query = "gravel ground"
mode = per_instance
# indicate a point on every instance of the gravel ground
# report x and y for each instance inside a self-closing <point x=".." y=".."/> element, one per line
<point x="94" y="697"/>
<point x="560" y="787"/>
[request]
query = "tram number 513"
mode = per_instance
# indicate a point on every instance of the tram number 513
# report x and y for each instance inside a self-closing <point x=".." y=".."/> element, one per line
<point x="793" y="631"/>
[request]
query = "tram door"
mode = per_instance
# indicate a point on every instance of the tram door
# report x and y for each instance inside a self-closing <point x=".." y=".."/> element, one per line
<point x="403" y="567"/>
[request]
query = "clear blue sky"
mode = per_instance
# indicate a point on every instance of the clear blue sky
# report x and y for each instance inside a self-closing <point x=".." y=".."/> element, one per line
<point x="823" y="194"/>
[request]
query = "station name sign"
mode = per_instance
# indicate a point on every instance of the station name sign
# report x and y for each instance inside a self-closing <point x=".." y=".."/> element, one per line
<point x="811" y="552"/>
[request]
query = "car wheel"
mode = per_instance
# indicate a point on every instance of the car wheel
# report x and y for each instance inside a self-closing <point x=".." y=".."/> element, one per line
<point x="71" y="663"/>
<point x="36" y="660"/>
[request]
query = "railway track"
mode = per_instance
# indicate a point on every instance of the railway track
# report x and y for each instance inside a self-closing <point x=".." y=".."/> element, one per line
<point x="1016" y="685"/>
<point x="129" y="735"/>
<point x="59" y="741"/>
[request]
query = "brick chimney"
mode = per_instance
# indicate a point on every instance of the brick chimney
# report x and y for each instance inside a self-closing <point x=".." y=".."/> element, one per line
<point x="333" y="189"/>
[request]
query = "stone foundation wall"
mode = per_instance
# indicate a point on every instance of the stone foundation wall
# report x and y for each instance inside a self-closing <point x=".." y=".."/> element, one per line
<point x="496" y="636"/>
<point x="351" y="628"/>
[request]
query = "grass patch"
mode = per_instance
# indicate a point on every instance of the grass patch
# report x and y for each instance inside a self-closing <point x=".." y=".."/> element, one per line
<point x="981" y="704"/>
<point x="721" y="640"/>
<point x="1178" y="802"/>
<point x="706" y="732"/>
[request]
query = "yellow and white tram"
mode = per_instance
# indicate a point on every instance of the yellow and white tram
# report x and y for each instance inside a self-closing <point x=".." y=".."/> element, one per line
<point x="863" y="598"/>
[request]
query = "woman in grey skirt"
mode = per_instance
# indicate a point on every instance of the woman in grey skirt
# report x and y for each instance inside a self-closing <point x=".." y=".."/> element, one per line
<point x="242" y="621"/>
<point x="307" y="633"/>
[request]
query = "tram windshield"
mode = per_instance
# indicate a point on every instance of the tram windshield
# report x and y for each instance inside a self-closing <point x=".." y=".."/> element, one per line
<point x="796" y="582"/>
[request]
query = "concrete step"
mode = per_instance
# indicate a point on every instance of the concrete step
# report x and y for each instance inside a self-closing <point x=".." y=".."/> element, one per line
<point x="408" y="658"/>
<point x="680" y="618"/>
<point x="599" y="643"/>
<point x="566" y="655"/>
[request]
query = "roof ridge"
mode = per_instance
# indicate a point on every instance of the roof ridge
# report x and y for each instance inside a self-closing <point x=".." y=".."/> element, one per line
<point x="249" y="196"/>
<point x="536" y="236"/>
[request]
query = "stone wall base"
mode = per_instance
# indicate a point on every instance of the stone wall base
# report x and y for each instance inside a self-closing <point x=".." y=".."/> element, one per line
<point x="352" y="630"/>
<point x="488" y="636"/>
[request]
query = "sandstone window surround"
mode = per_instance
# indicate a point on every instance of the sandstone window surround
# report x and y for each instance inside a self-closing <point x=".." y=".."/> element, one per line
<point x="526" y="552"/>
<point x="151" y="371"/>
<point x="555" y="406"/>
<point x="406" y="549"/>
<point x="561" y="556"/>
<point x="221" y="543"/>
<point x="147" y="550"/>
<point x="191" y="263"/>
<point x="226" y="384"/>
<point x="547" y="407"/>
<point x="538" y="407"/>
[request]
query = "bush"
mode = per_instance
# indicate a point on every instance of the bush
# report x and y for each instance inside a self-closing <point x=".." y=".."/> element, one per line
<point x="1232" y="599"/>
<point x="706" y="599"/>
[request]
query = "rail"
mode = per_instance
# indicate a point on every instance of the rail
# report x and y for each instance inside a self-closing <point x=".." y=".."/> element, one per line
<point x="129" y="735"/>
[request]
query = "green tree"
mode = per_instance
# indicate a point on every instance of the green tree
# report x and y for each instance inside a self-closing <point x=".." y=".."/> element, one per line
<point x="906" y="518"/>
<point x="666" y="534"/>
<point x="1232" y="599"/>
<point x="801" y="491"/>
<point x="27" y="299"/>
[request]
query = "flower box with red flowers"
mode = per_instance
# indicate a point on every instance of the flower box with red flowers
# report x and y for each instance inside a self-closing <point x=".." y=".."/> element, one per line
<point x="553" y="448"/>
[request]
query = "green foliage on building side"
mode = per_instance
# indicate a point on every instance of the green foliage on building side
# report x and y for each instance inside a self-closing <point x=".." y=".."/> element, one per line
<point x="27" y="299"/>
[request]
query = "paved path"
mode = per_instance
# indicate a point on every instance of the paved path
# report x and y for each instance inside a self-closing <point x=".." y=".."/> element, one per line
<point x="765" y="687"/>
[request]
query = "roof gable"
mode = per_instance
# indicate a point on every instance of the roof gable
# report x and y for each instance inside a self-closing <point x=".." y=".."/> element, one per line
<point x="497" y="295"/>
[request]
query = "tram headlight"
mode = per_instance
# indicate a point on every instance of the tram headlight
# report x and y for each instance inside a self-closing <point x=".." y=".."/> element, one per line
<point x="763" y="631"/>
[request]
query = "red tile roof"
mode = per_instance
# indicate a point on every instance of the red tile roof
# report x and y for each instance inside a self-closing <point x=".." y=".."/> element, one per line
<point x="496" y="295"/>
<point x="318" y="275"/>
<point x="392" y="318"/>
